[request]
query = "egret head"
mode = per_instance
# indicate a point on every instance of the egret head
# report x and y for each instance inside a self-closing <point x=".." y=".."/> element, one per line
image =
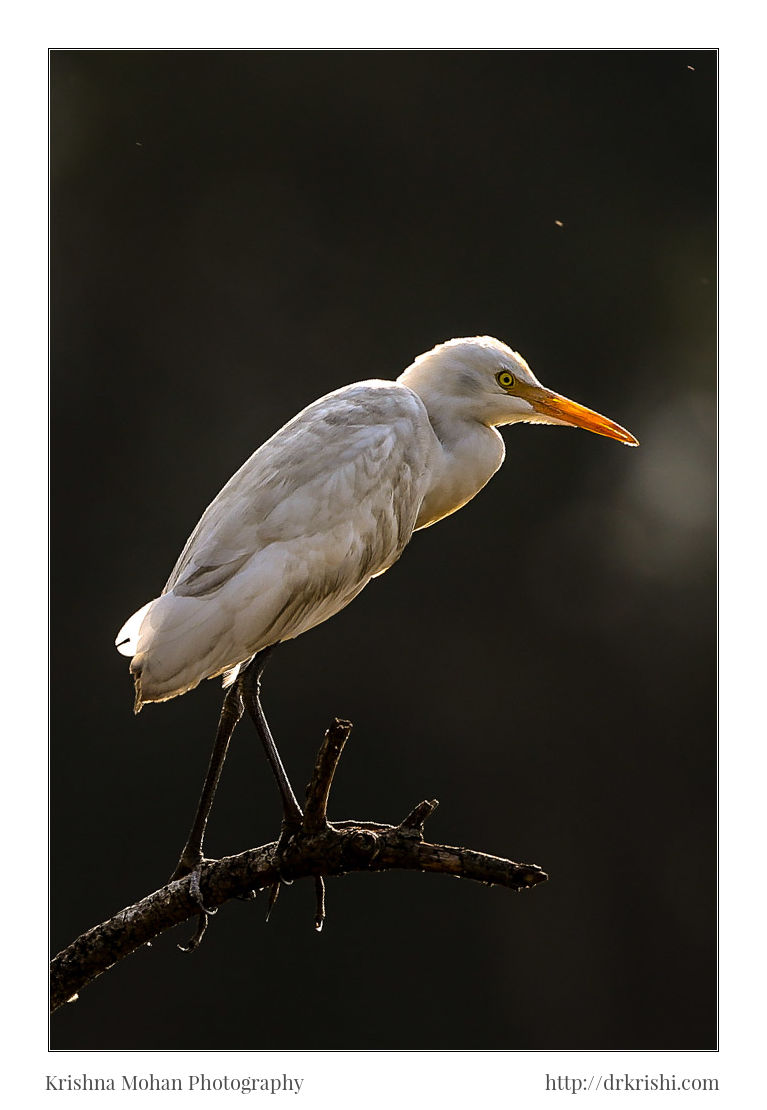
<point x="482" y="379"/>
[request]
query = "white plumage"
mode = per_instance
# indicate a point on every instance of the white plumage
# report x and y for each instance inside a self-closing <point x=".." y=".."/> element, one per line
<point x="329" y="502"/>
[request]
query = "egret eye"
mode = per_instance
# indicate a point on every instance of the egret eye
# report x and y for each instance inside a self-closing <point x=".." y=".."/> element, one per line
<point x="505" y="379"/>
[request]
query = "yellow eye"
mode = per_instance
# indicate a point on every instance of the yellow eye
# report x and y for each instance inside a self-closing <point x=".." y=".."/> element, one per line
<point x="505" y="379"/>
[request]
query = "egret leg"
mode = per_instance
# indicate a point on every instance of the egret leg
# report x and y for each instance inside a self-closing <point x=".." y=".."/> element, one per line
<point x="249" y="683"/>
<point x="231" y="711"/>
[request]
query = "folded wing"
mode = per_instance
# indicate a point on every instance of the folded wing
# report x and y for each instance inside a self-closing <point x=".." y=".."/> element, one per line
<point x="326" y="504"/>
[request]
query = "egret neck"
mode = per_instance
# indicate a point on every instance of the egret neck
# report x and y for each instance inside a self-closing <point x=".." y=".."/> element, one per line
<point x="466" y="456"/>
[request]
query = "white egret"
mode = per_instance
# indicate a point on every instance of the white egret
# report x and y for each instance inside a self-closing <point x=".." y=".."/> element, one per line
<point x="325" y="505"/>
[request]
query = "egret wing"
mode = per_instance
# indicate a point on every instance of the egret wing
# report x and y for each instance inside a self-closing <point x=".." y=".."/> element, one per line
<point x="354" y="460"/>
<point x="326" y="504"/>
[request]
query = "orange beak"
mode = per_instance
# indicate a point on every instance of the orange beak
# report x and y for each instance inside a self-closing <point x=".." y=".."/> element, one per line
<point x="570" y="412"/>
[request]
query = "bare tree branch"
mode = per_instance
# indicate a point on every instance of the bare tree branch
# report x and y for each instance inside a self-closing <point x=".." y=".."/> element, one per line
<point x="317" y="850"/>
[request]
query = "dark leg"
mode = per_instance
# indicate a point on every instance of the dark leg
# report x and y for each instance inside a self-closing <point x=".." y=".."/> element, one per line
<point x="249" y="683"/>
<point x="231" y="711"/>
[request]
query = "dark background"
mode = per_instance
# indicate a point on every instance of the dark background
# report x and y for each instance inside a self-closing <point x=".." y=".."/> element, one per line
<point x="237" y="233"/>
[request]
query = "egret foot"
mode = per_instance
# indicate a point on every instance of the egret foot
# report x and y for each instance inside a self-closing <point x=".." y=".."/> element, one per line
<point x="191" y="864"/>
<point x="288" y="829"/>
<point x="188" y="863"/>
<point x="196" y="940"/>
<point x="181" y="871"/>
<point x="194" y="870"/>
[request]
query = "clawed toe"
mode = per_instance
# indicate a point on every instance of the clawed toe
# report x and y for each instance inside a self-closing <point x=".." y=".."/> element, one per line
<point x="193" y="868"/>
<point x="196" y="894"/>
<point x="202" y="925"/>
